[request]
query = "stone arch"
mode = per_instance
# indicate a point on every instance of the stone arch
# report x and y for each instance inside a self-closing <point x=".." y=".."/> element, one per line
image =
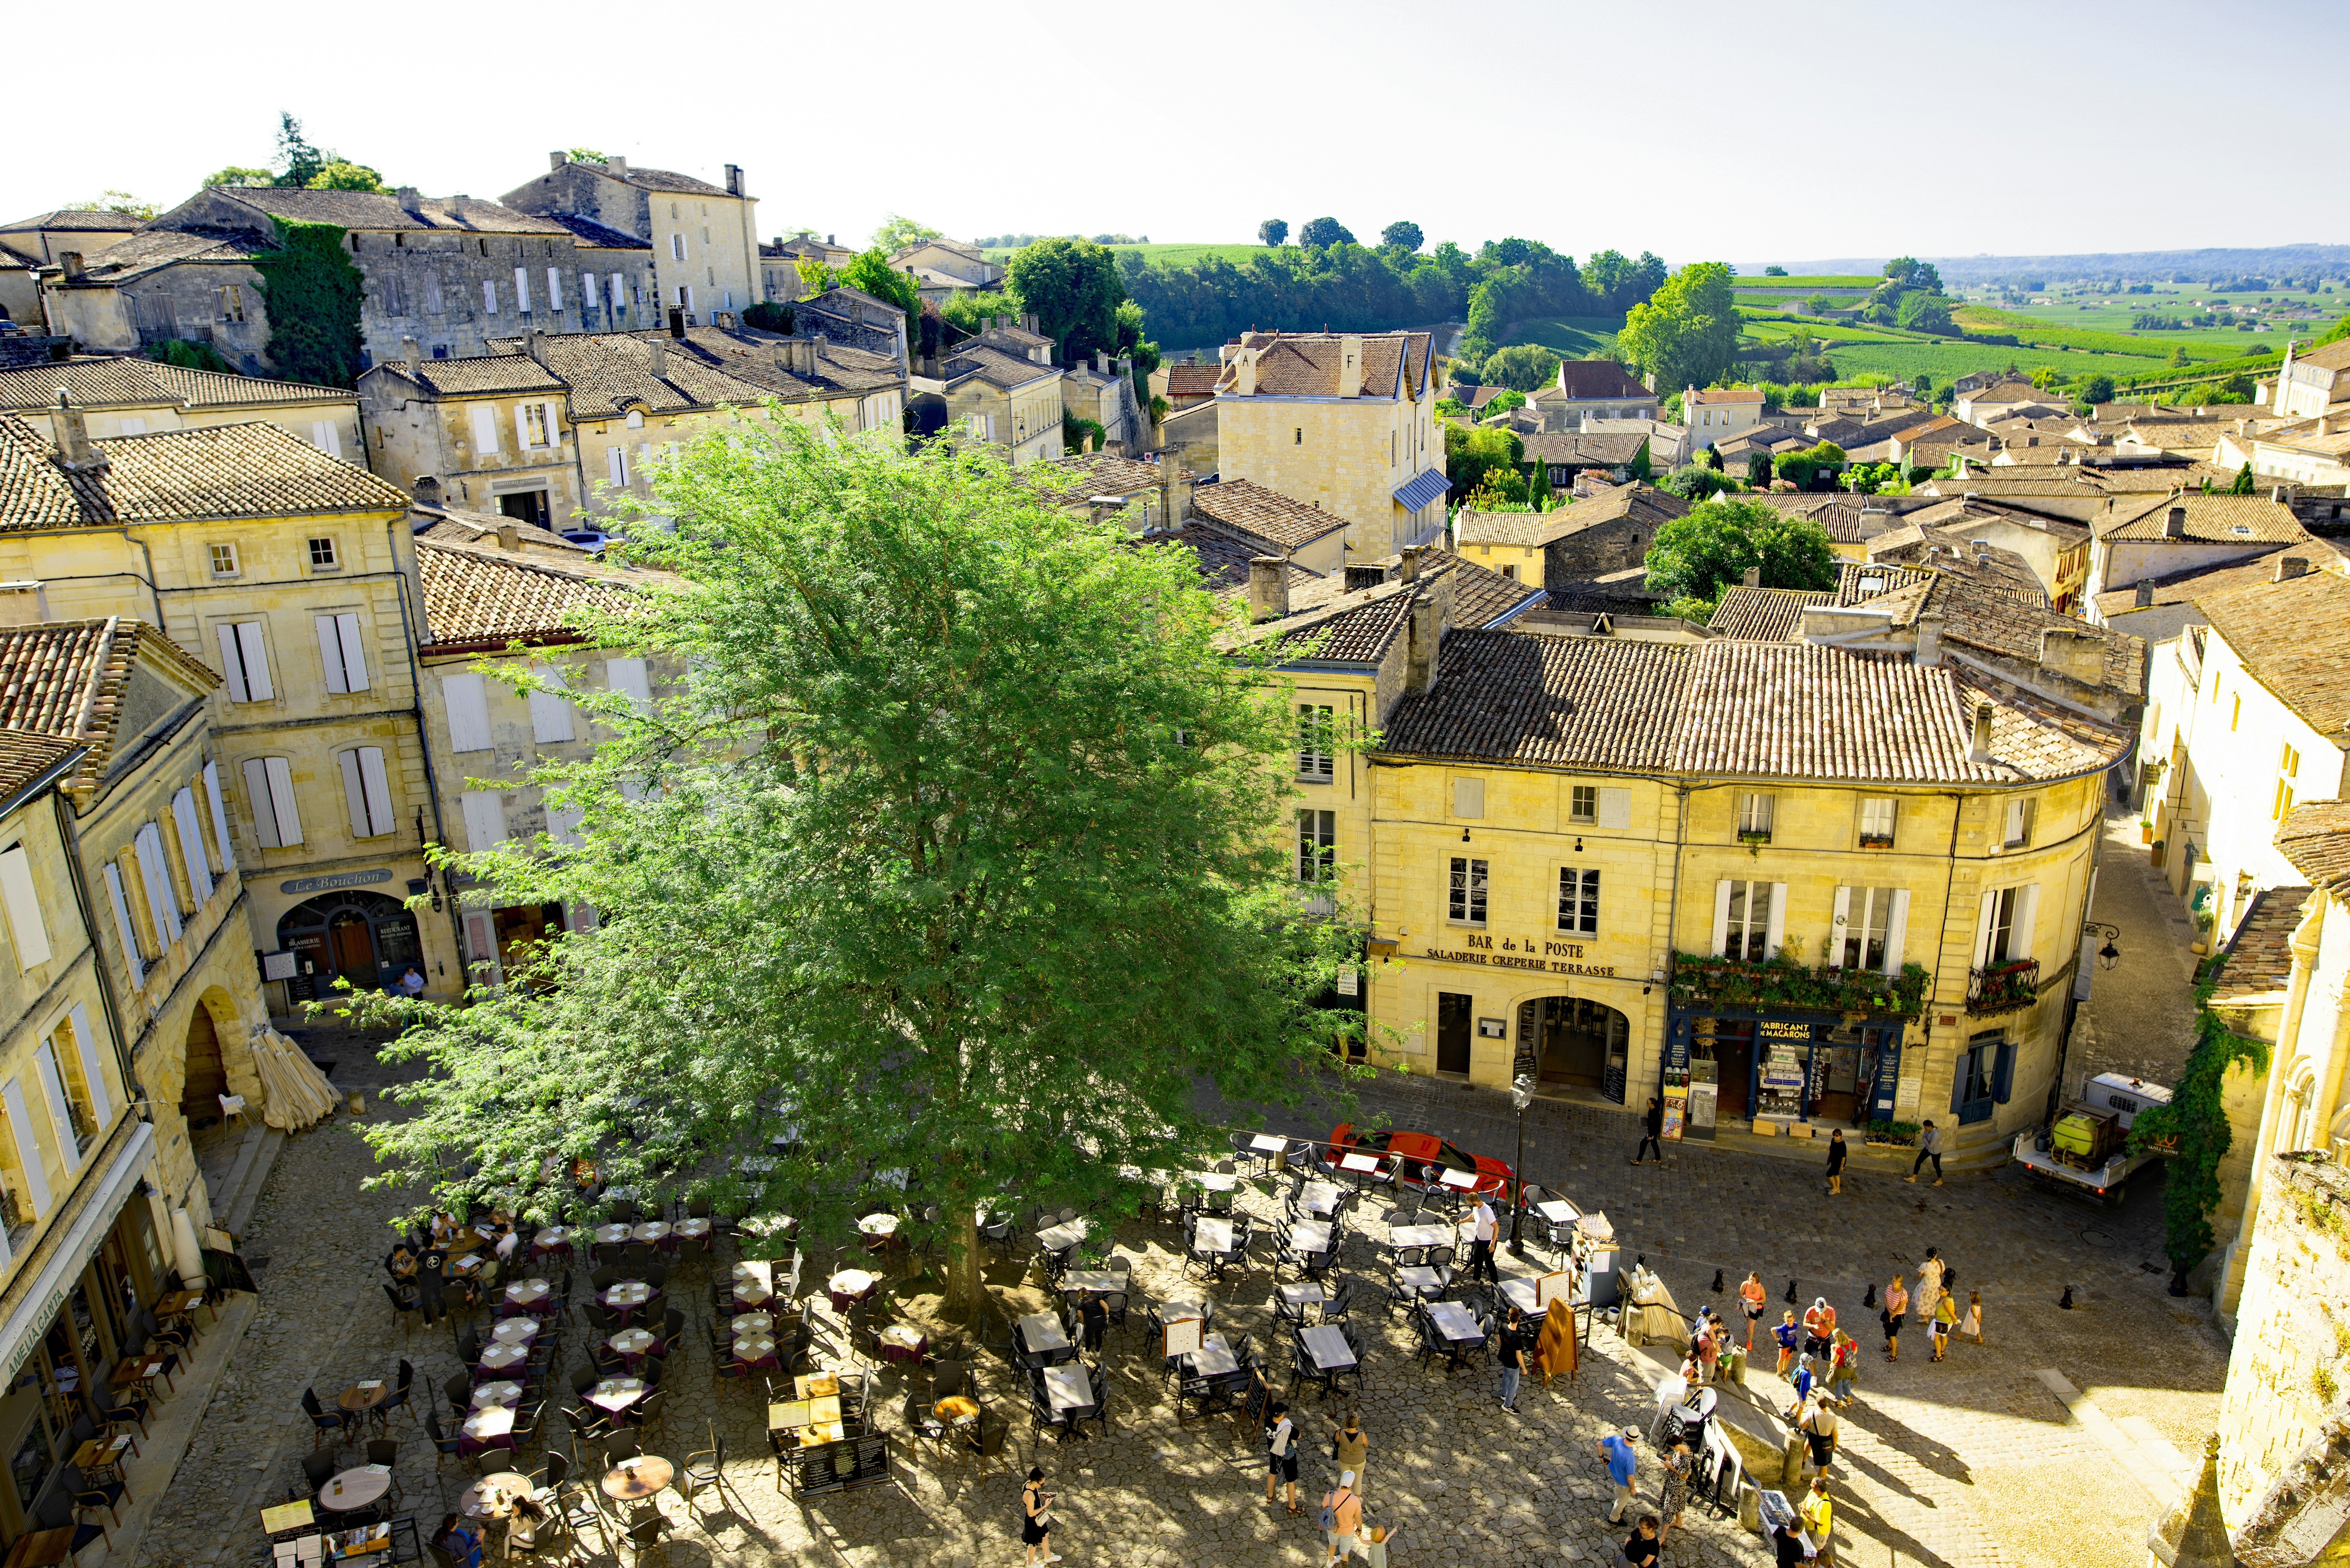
<point x="214" y="1056"/>
<point x="2297" y="1127"/>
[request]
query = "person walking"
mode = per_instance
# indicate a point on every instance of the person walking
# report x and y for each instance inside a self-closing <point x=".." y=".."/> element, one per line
<point x="1818" y="1324"/>
<point x="1349" y="1449"/>
<point x="1846" y="1370"/>
<point x="1678" y="1465"/>
<point x="1836" y="1151"/>
<point x="1342" y="1516"/>
<point x="1973" y="1327"/>
<point x="1484" y="1230"/>
<point x="1929" y="1147"/>
<point x="1819" y="1426"/>
<point x="1037" y="1518"/>
<point x="1281" y="1453"/>
<point x="1819" y="1521"/>
<point x="1790" y="1338"/>
<point x="1708" y="1345"/>
<point x="1652" y="1131"/>
<point x="1515" y="1348"/>
<point x="1897" y="1308"/>
<point x="1623" y="1468"/>
<point x="1930" y="1284"/>
<point x="1640" y="1548"/>
<point x="1946" y="1318"/>
<point x="1750" y="1296"/>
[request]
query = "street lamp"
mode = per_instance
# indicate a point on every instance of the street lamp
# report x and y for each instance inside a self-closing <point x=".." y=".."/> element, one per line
<point x="1522" y="1094"/>
<point x="2108" y="955"/>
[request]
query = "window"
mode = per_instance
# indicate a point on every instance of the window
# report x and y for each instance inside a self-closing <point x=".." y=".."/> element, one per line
<point x="485" y="819"/>
<point x="155" y="877"/>
<point x="326" y="437"/>
<point x="468" y="705"/>
<point x="627" y="676"/>
<point x="1748" y="919"/>
<point x="224" y="558"/>
<point x="677" y="247"/>
<point x="77" y="1048"/>
<point x="1876" y="823"/>
<point x="2284" y="800"/>
<point x="1314" y="741"/>
<point x="122" y="928"/>
<point x="522" y="289"/>
<point x="485" y="430"/>
<point x="1318" y="856"/>
<point x="367" y="792"/>
<point x="432" y="294"/>
<point x="1982" y="1077"/>
<point x="619" y="459"/>
<point x="232" y="302"/>
<point x="2004" y="933"/>
<point x="27" y="932"/>
<point x="269" y="789"/>
<point x="1468" y="798"/>
<point x="1578" y="900"/>
<point x="550" y="712"/>
<point x="1754" y="814"/>
<point x="71" y="1140"/>
<point x="554" y="289"/>
<point x="244" y="662"/>
<point x="587" y="290"/>
<point x="619" y="292"/>
<point x="322" y="555"/>
<point x="534" y="425"/>
<point x="190" y="835"/>
<point x="34" y="1200"/>
<point x="395" y="299"/>
<point x="1467" y="905"/>
<point x="1869" y="929"/>
<point x="489" y="296"/>
<point x="224" y="847"/>
<point x="2022" y="815"/>
<point x="1583" y="803"/>
<point x="340" y="652"/>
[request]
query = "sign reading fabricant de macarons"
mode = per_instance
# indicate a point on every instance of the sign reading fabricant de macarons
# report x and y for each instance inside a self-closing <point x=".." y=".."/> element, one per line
<point x="340" y="879"/>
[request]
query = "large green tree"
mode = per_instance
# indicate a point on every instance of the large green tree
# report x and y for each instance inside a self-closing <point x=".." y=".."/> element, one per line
<point x="1073" y="288"/>
<point x="899" y="231"/>
<point x="1694" y="557"/>
<point x="958" y="852"/>
<point x="870" y="271"/>
<point x="1686" y="334"/>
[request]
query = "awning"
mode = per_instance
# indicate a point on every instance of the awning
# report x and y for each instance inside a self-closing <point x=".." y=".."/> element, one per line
<point x="57" y="1258"/>
<point x="1418" y="492"/>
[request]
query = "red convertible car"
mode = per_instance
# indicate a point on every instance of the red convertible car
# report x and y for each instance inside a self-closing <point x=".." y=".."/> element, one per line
<point x="1425" y="1157"/>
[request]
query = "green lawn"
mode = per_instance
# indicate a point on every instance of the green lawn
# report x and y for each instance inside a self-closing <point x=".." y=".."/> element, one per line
<point x="1568" y="337"/>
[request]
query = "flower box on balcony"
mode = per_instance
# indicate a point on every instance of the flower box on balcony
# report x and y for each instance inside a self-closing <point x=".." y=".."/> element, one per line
<point x="2003" y="987"/>
<point x="1757" y="836"/>
<point x="1852" y="993"/>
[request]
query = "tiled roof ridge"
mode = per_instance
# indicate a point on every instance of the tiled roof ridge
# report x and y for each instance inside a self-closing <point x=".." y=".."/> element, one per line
<point x="76" y="670"/>
<point x="2314" y="837"/>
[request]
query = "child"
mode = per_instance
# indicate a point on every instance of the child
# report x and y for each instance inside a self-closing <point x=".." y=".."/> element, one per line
<point x="1946" y="1317"/>
<point x="1789" y="1337"/>
<point x="1974" y="1315"/>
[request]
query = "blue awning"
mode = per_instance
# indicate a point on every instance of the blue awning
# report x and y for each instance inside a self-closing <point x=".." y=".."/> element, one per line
<point x="1418" y="492"/>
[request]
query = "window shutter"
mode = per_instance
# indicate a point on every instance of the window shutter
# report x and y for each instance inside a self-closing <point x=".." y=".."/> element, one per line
<point x="550" y="714"/>
<point x="53" y="1089"/>
<point x="192" y="845"/>
<point x="563" y="824"/>
<point x="174" y="857"/>
<point x="122" y="932"/>
<point x="489" y="296"/>
<point x="485" y="430"/>
<point x="101" y="1110"/>
<point x="1468" y="798"/>
<point x="619" y="291"/>
<point x="2027" y="916"/>
<point x="224" y="847"/>
<point x="25" y="926"/>
<point x="1721" y="916"/>
<point x="522" y="427"/>
<point x="378" y="786"/>
<point x="1984" y="924"/>
<point x="1614" y="807"/>
<point x="1838" y="926"/>
<point x="256" y="660"/>
<point x="586" y="291"/>
<point x="1958" y="1066"/>
<point x="1775" y="933"/>
<point x="257" y="791"/>
<point x="331" y="654"/>
<point x="628" y="675"/>
<point x="162" y="910"/>
<point x="355" y="795"/>
<point x="485" y="820"/>
<point x="619" y="459"/>
<point x="347" y="635"/>
<point x="28" y="1150"/>
<point x="2014" y="821"/>
<point x="1896" y="926"/>
<point x="482" y="946"/>
<point x="281" y="800"/>
<point x="233" y="665"/>
<point x="553" y="289"/>
<point x="2002" y="1071"/>
<point x="521" y="288"/>
<point x="468" y="704"/>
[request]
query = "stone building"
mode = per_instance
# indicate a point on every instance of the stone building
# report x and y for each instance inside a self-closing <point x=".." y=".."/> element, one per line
<point x="1103" y="392"/>
<point x="1590" y="390"/>
<point x="131" y="396"/>
<point x="944" y="268"/>
<point x="852" y="318"/>
<point x="704" y="238"/>
<point x="164" y="283"/>
<point x="1000" y="387"/>
<point x="779" y="275"/>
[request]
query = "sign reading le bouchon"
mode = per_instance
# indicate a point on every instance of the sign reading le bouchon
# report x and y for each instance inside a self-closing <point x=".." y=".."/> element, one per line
<point x="340" y="879"/>
<point x="1522" y="953"/>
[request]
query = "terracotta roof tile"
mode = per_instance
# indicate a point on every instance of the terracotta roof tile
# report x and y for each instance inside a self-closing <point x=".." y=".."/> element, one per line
<point x="1481" y="598"/>
<point x="65" y="680"/>
<point x="98" y="383"/>
<point x="2315" y="838"/>
<point x="2210" y="519"/>
<point x="1307" y="364"/>
<point x="1105" y="473"/>
<point x="1192" y="381"/>
<point x="2258" y="959"/>
<point x="1223" y="559"/>
<point x="2289" y="636"/>
<point x="1264" y="513"/>
<point x="25" y="758"/>
<point x="227" y="470"/>
<point x="1766" y="615"/>
<point x="474" y="595"/>
<point x="1588" y="380"/>
<point x="382" y="210"/>
<point x="2186" y="587"/>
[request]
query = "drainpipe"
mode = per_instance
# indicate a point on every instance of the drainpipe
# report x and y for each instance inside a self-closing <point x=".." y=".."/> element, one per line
<point x="423" y="737"/>
<point x="70" y="830"/>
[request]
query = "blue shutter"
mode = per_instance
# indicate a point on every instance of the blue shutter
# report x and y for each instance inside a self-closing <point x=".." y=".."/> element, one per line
<point x="1959" y="1072"/>
<point x="2002" y="1073"/>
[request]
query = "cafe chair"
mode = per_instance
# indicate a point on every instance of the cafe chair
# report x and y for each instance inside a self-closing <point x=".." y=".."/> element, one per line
<point x="644" y="1540"/>
<point x="459" y="1391"/>
<point x="385" y="1452"/>
<point x="321" y="1418"/>
<point x="317" y="1469"/>
<point x="398" y="1400"/>
<point x="647" y="1413"/>
<point x="405" y="1303"/>
<point x="469" y="1345"/>
<point x="233" y="1107"/>
<point x="614" y="1446"/>
<point x="703" y="1471"/>
<point x="444" y="1444"/>
<point x="132" y="1412"/>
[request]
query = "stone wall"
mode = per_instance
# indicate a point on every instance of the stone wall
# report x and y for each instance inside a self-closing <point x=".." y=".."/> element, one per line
<point x="2292" y="1354"/>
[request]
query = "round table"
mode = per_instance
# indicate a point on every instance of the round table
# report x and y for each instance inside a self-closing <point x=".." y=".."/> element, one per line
<point x="628" y="1294"/>
<point x="879" y="1227"/>
<point x="354" y="1489"/>
<point x="611" y="1235"/>
<point x="631" y="1481"/>
<point x="516" y="1331"/>
<point x="632" y="1342"/>
<point x="902" y="1341"/>
<point x="956" y="1408"/>
<point x="849" y="1285"/>
<point x="650" y="1231"/>
<point x="499" y="1392"/>
<point x="750" y="1349"/>
<point x="495" y="1496"/>
<point x="360" y="1396"/>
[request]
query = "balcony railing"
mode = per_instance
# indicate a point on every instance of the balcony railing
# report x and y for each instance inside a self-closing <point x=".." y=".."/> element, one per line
<point x="1735" y="982"/>
<point x="2003" y="987"/>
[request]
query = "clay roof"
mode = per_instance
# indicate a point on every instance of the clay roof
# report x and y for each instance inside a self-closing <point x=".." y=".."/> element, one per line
<point x="2288" y="635"/>
<point x="66" y="680"/>
<point x="2258" y="957"/>
<point x="1766" y="615"/>
<point x="2186" y="587"/>
<point x="383" y="210"/>
<point x="1307" y="364"/>
<point x="1264" y="513"/>
<point x="1608" y="449"/>
<point x="1515" y="527"/>
<point x="110" y="382"/>
<point x="1102" y="474"/>
<point x="993" y="366"/>
<point x="479" y="374"/>
<point x="1586" y="380"/>
<point x="1724" y="395"/>
<point x="1726" y="707"/>
<point x="1481" y="595"/>
<point x="453" y="525"/>
<point x="1192" y="381"/>
<point x="595" y="236"/>
<point x="2211" y="520"/>
<point x="1223" y="559"/>
<point x="2315" y="838"/>
<point x="149" y="249"/>
<point x="81" y="220"/>
<point x="474" y="594"/>
<point x="1858" y="580"/>
<point x="254" y="469"/>
<point x="25" y="759"/>
<point x="658" y="180"/>
<point x="605" y="372"/>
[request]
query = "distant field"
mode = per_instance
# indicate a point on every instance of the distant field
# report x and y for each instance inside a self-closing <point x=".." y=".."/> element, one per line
<point x="1888" y="351"/>
<point x="1568" y="337"/>
<point x="1178" y="255"/>
<point x="2039" y="327"/>
<point x="1852" y="281"/>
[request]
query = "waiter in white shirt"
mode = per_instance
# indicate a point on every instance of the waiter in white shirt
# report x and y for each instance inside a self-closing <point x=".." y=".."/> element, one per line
<point x="1484" y="1229"/>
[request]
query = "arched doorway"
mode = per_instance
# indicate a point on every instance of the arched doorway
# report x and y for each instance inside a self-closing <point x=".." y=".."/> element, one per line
<point x="362" y="937"/>
<point x="207" y="1075"/>
<point x="1573" y="1041"/>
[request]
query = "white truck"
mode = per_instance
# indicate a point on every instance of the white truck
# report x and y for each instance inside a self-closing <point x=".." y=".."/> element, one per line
<point x="2086" y="1147"/>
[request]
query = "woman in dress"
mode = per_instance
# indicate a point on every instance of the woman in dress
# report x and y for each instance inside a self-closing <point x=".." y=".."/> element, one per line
<point x="1897" y="1308"/>
<point x="1678" y="1465"/>
<point x="1036" y="1519"/>
<point x="1972" y="1327"/>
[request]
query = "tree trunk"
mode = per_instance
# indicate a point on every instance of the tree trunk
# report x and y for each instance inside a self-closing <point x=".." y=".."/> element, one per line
<point x="966" y="1295"/>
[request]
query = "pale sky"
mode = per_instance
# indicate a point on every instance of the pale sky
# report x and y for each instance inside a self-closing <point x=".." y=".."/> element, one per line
<point x="1702" y="130"/>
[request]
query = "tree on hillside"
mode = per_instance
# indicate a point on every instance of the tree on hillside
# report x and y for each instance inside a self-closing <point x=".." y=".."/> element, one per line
<point x="1538" y="491"/>
<point x="1073" y="288"/>
<point x="1525" y="366"/>
<point x="1324" y="232"/>
<point x="1687" y="333"/>
<point x="1404" y="234"/>
<point x="1924" y="313"/>
<point x="1758" y="469"/>
<point x="1774" y="271"/>
<point x="1909" y="272"/>
<point x="1273" y="231"/>
<point x="870" y="271"/>
<point x="2098" y="388"/>
<point x="899" y="233"/>
<point x="981" y="816"/>
<point x="1694" y="557"/>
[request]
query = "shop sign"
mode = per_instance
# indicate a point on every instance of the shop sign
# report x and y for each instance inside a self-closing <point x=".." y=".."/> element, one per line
<point x="1522" y="953"/>
<point x="340" y="879"/>
<point x="1770" y="1031"/>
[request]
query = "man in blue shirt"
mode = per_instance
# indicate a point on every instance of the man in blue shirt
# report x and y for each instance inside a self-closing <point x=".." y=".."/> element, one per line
<point x="1623" y="1464"/>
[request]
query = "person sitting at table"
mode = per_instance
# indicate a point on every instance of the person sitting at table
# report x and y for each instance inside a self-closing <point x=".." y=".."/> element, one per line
<point x="401" y="1263"/>
<point x="462" y="1545"/>
<point x="1093" y="1313"/>
<point x="445" y="1229"/>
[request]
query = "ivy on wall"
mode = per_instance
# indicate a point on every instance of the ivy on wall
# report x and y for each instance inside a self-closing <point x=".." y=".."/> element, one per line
<point x="313" y="293"/>
<point x="189" y="355"/>
<point x="2195" y="1127"/>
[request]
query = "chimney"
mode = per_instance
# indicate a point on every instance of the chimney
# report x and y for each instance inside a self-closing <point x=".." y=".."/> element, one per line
<point x="71" y="261"/>
<point x="1029" y="321"/>
<point x="618" y="165"/>
<point x="2281" y="493"/>
<point x="2143" y="596"/>
<point x="1420" y="657"/>
<point x="1350" y="365"/>
<point x="1175" y="479"/>
<point x="677" y="321"/>
<point x="534" y="343"/>
<point x="656" y="355"/>
<point x="1979" y="745"/>
<point x="413" y="355"/>
<point x="2075" y="655"/>
<point x="816" y="346"/>
<point x="555" y="161"/>
<point x="1101" y="362"/>
<point x="427" y="491"/>
<point x="1928" y="653"/>
<point x="829" y="238"/>
<point x="509" y="536"/>
<point x="1751" y="578"/>
<point x="74" y="452"/>
<point x="734" y="179"/>
<point x="407" y="196"/>
<point x="1410" y="573"/>
<point x="1245" y="373"/>
<point x="2174" y="523"/>
<point x="1268" y="588"/>
<point x="2291" y="567"/>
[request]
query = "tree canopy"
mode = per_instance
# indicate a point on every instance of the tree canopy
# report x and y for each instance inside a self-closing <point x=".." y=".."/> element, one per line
<point x="1324" y="232"/>
<point x="1273" y="231"/>
<point x="1924" y="313"/>
<point x="955" y="854"/>
<point x="240" y="175"/>
<point x="1402" y="232"/>
<point x="342" y="174"/>
<point x="1687" y="334"/>
<point x="1525" y="366"/>
<point x="121" y="202"/>
<point x="1694" y="557"/>
<point x="1486" y="459"/>
<point x="870" y="271"/>
<point x="899" y="231"/>
<point x="1074" y="289"/>
<point x="1909" y="272"/>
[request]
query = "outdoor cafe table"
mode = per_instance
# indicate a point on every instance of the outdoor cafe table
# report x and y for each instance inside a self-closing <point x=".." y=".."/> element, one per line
<point x="516" y="1331"/>
<point x="355" y="1489"/>
<point x="1558" y="1212"/>
<point x="358" y="1397"/>
<point x="1212" y="1180"/>
<point x="1355" y="1163"/>
<point x="692" y="1229"/>
<point x="756" y="1350"/>
<point x="753" y="1323"/>
<point x="492" y="1427"/>
<point x="1212" y="1234"/>
<point x="1097" y="1280"/>
<point x="102" y="1453"/>
<point x="632" y="1343"/>
<point x="903" y="1342"/>
<point x="1420" y="1280"/>
<point x="524" y="1295"/>
<point x="815" y="1384"/>
<point x="1061" y="1238"/>
<point x="503" y="1392"/>
<point x="1320" y="1199"/>
<point x="1041" y="1332"/>
<point x="500" y="1357"/>
<point x="628" y="1295"/>
<point x="1176" y="1308"/>
<point x="140" y="1369"/>
<point x="1420" y="1235"/>
<point x="1311" y="1236"/>
<point x="792" y="1414"/>
<point x="632" y="1480"/>
<point x="1520" y="1294"/>
<point x="611" y="1235"/>
<point x="1068" y="1387"/>
<point x="1327" y="1347"/>
<point x="1453" y="1320"/>
<point x="755" y="1284"/>
<point x="47" y="1548"/>
<point x="615" y="1395"/>
<point x="554" y="1238"/>
<point x="879" y="1227"/>
<point x="495" y="1496"/>
<point x="649" y="1230"/>
<point x="1213" y="1358"/>
<point x="849" y="1287"/>
<point x="1305" y="1296"/>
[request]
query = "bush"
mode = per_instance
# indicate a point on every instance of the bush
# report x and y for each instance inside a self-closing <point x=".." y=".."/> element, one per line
<point x="1694" y="482"/>
<point x="189" y="356"/>
<point x="1525" y="366"/>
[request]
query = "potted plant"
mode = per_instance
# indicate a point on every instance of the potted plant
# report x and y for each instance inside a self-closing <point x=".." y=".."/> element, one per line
<point x="2146" y="830"/>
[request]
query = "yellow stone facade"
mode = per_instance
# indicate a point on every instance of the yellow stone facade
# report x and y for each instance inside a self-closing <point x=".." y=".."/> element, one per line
<point x="1346" y="456"/>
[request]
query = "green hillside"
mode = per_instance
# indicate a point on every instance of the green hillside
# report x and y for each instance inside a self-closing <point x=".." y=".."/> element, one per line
<point x="1568" y="337"/>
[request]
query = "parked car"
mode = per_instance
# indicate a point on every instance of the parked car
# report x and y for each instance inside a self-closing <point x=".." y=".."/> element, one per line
<point x="1425" y="1157"/>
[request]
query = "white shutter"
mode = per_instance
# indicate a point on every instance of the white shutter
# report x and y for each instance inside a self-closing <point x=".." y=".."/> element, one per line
<point x="163" y="907"/>
<point x="554" y="289"/>
<point x="2014" y="821"/>
<point x="28" y="1150"/>
<point x="1614" y="807"/>
<point x="331" y="654"/>
<point x="629" y="675"/>
<point x="1468" y="798"/>
<point x="485" y="819"/>
<point x="233" y="665"/>
<point x="522" y="427"/>
<point x="586" y="291"/>
<point x="619" y="459"/>
<point x="225" y="846"/>
<point x="250" y="647"/>
<point x="53" y="1089"/>
<point x="485" y="428"/>
<point x="192" y="845"/>
<point x="1721" y="916"/>
<point x="550" y="714"/>
<point x="619" y="291"/>
<point x="1839" y="926"/>
<point x="482" y="947"/>
<point x="379" y="788"/>
<point x="468" y="703"/>
<point x="521" y="288"/>
<point x="563" y="824"/>
<point x="1983" y="925"/>
<point x="1775" y="934"/>
<point x="2027" y="914"/>
<point x="489" y="296"/>
<point x="270" y="781"/>
<point x="1896" y="927"/>
<point x="122" y="930"/>
<point x="101" y="1110"/>
<point x="29" y="931"/>
<point x="323" y="437"/>
<point x="354" y="651"/>
<point x="256" y="791"/>
<point x="354" y="793"/>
